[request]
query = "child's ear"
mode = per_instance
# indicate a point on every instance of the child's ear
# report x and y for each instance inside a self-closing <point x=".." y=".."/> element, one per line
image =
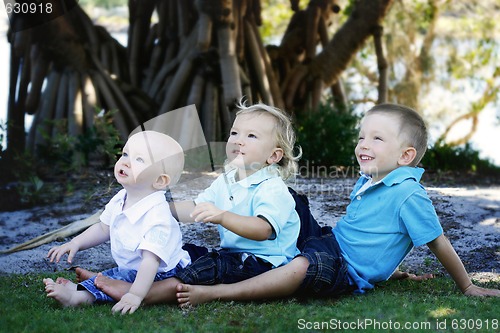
<point x="407" y="156"/>
<point x="162" y="182"/>
<point x="276" y="156"/>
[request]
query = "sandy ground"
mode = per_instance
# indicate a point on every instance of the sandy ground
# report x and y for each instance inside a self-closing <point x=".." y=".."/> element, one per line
<point x="470" y="217"/>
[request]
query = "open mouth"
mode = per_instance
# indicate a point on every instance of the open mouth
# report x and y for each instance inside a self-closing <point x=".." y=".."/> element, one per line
<point x="237" y="152"/>
<point x="365" y="158"/>
<point x="122" y="173"/>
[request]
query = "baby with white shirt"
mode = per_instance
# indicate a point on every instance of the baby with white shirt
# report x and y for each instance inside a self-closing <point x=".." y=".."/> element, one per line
<point x="146" y="241"/>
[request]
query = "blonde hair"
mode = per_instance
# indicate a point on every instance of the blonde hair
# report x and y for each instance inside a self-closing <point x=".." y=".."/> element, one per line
<point x="413" y="130"/>
<point x="284" y="134"/>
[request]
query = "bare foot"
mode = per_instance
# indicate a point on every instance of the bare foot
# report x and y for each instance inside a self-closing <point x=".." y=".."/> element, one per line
<point x="113" y="288"/>
<point x="65" y="282"/>
<point x="83" y="274"/>
<point x="188" y="295"/>
<point x="65" y="295"/>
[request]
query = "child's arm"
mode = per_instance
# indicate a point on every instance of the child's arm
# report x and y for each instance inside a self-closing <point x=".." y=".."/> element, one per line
<point x="94" y="235"/>
<point x="143" y="281"/>
<point x="445" y="253"/>
<point x="251" y="227"/>
<point x="181" y="210"/>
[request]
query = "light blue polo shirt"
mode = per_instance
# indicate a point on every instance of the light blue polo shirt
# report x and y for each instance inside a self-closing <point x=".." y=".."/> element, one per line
<point x="383" y="223"/>
<point x="264" y="194"/>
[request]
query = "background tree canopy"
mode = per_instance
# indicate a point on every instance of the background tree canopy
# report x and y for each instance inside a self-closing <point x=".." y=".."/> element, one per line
<point x="438" y="56"/>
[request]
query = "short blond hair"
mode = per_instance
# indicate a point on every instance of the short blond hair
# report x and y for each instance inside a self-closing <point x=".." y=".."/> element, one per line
<point x="284" y="134"/>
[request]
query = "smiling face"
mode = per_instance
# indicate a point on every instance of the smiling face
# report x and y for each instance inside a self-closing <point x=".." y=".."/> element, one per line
<point x="380" y="148"/>
<point x="141" y="166"/>
<point x="252" y="143"/>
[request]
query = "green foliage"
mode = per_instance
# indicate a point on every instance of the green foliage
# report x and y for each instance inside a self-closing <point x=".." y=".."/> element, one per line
<point x="58" y="150"/>
<point x="29" y="186"/>
<point x="275" y="17"/>
<point x="428" y="302"/>
<point x="100" y="143"/>
<point x="327" y="137"/>
<point x="447" y="158"/>
<point x="63" y="155"/>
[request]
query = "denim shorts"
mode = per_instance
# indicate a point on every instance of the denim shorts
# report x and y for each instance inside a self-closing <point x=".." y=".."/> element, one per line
<point x="127" y="275"/>
<point x="327" y="272"/>
<point x="222" y="266"/>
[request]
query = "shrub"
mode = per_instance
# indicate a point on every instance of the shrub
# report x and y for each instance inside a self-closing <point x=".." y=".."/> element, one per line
<point x="463" y="158"/>
<point x="62" y="159"/>
<point x="327" y="137"/>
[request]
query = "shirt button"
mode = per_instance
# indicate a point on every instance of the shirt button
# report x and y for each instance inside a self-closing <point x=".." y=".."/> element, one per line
<point x="358" y="197"/>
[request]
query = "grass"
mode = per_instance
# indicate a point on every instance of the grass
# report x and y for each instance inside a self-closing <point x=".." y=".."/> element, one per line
<point x="25" y="308"/>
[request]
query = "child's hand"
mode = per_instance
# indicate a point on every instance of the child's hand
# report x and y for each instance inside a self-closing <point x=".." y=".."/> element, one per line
<point x="474" y="290"/>
<point x="58" y="251"/>
<point x="129" y="303"/>
<point x="207" y="212"/>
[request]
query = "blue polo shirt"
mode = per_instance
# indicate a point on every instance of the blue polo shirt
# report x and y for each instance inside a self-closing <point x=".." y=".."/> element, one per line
<point x="383" y="223"/>
<point x="264" y="194"/>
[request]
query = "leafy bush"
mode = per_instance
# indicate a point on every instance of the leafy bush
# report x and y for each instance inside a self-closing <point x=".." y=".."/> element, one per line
<point x="447" y="158"/>
<point x="63" y="157"/>
<point x="327" y="137"/>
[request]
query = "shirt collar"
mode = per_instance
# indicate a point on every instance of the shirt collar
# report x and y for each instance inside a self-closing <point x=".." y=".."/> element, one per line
<point x="399" y="175"/>
<point x="258" y="177"/>
<point x="138" y="210"/>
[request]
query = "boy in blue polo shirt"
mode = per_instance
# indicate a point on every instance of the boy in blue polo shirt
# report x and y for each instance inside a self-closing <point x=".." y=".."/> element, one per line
<point x="389" y="214"/>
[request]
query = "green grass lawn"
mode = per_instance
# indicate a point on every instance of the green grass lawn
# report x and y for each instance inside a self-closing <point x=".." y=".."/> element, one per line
<point x="429" y="306"/>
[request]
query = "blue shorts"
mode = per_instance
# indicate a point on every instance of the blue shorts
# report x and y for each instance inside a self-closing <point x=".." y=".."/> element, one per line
<point x="115" y="273"/>
<point x="327" y="272"/>
<point x="222" y="266"/>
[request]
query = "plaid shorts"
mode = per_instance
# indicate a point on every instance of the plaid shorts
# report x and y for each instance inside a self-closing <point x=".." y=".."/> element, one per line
<point x="222" y="266"/>
<point x="327" y="272"/>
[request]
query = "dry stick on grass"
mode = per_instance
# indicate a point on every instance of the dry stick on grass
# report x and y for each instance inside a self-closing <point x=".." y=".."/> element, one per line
<point x="66" y="231"/>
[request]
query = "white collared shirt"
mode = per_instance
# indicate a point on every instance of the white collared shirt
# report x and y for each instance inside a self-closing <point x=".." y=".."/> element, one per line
<point x="147" y="225"/>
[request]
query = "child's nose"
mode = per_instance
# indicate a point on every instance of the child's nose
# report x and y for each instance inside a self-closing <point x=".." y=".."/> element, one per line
<point x="237" y="141"/>
<point x="125" y="161"/>
<point x="363" y="144"/>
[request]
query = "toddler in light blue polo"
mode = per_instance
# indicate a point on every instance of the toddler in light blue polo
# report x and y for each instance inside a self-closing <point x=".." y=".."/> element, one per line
<point x="250" y="202"/>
